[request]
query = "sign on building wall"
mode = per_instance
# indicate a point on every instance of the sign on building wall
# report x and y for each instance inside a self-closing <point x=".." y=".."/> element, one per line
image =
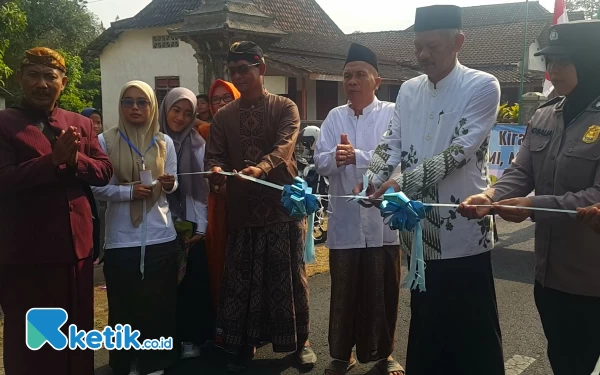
<point x="505" y="142"/>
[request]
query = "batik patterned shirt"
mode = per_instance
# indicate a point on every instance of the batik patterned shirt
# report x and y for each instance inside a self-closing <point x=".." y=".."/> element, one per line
<point x="436" y="148"/>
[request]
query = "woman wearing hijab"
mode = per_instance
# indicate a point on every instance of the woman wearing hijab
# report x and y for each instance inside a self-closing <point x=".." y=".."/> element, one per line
<point x="140" y="249"/>
<point x="195" y="318"/>
<point x="221" y="93"/>
<point x="559" y="159"/>
<point x="96" y="117"/>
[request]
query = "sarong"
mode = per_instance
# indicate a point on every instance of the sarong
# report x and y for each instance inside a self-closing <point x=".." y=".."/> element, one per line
<point x="454" y="327"/>
<point x="265" y="289"/>
<point x="365" y="292"/>
<point x="66" y="286"/>
<point x="148" y="305"/>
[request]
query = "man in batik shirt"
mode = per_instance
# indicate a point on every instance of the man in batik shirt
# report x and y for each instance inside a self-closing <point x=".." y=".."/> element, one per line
<point x="265" y="287"/>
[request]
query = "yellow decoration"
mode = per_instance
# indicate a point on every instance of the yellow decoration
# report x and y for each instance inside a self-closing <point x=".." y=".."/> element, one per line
<point x="592" y="134"/>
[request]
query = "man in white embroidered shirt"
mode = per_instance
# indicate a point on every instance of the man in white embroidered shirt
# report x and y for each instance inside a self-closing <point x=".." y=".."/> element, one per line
<point x="364" y="255"/>
<point x="436" y="150"/>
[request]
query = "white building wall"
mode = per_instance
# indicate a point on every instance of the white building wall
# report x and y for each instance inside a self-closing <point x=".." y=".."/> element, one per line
<point x="536" y="62"/>
<point x="131" y="57"/>
<point x="311" y="99"/>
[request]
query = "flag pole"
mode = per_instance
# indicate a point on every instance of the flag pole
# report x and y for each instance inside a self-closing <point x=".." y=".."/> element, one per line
<point x="525" y="55"/>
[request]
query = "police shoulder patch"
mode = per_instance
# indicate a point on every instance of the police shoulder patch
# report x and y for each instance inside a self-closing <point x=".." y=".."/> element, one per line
<point x="553" y="101"/>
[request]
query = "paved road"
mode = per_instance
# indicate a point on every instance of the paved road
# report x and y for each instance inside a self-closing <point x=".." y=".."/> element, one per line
<point x="524" y="342"/>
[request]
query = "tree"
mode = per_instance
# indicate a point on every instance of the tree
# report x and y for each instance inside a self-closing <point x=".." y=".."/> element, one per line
<point x="65" y="25"/>
<point x="589" y="7"/>
<point x="12" y="22"/>
<point x="74" y="98"/>
<point x="91" y="81"/>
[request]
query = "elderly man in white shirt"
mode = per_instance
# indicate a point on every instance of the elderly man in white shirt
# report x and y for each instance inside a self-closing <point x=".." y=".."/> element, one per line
<point x="364" y="254"/>
<point x="436" y="150"/>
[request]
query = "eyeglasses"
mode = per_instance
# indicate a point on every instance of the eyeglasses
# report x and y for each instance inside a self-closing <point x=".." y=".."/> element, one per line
<point x="242" y="69"/>
<point x="226" y="98"/>
<point x="139" y="102"/>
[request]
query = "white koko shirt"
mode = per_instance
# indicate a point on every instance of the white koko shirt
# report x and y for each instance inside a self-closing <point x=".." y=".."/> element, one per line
<point x="436" y="148"/>
<point x="350" y="224"/>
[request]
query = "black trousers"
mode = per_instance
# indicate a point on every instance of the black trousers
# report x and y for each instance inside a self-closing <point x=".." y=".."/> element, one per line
<point x="572" y="327"/>
<point x="454" y="327"/>
<point x="147" y="305"/>
<point x="195" y="316"/>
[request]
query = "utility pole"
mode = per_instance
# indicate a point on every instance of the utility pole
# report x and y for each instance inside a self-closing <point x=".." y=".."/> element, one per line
<point x="523" y="62"/>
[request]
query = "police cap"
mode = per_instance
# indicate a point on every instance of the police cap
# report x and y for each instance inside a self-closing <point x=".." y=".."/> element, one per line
<point x="572" y="38"/>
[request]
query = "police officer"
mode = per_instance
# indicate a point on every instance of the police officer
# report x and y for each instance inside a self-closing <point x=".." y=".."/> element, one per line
<point x="560" y="160"/>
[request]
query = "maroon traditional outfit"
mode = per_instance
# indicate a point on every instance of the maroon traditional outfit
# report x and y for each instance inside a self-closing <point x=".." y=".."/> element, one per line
<point x="46" y="241"/>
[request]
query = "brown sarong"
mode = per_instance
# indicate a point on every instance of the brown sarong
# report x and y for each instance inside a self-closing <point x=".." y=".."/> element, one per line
<point x="365" y="289"/>
<point x="66" y="286"/>
<point x="265" y="289"/>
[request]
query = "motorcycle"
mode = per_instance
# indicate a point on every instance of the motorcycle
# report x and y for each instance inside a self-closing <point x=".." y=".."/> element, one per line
<point x="305" y="150"/>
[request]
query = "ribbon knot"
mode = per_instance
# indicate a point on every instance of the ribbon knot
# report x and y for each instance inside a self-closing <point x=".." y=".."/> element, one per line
<point x="401" y="213"/>
<point x="300" y="202"/>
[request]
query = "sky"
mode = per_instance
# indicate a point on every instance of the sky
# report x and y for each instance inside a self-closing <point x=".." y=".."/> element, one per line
<point x="349" y="15"/>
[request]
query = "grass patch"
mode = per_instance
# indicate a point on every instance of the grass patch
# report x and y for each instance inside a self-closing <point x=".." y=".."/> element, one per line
<point x="101" y="302"/>
<point x="321" y="264"/>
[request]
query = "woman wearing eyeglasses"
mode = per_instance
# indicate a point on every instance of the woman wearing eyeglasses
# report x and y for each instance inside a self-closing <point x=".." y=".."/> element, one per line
<point x="140" y="250"/>
<point x="220" y="94"/>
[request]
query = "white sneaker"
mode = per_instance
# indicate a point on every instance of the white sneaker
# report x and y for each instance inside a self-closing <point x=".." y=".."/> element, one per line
<point x="159" y="372"/>
<point x="189" y="350"/>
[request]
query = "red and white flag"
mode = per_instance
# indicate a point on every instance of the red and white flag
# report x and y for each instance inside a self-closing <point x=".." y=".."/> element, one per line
<point x="560" y="16"/>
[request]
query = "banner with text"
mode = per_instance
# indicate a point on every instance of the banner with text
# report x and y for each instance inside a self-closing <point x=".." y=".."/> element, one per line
<point x="504" y="146"/>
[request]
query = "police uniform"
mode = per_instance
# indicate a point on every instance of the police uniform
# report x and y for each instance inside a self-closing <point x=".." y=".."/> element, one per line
<point x="560" y="160"/>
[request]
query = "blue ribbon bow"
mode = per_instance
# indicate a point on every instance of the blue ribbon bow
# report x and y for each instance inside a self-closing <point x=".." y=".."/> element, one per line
<point x="300" y="202"/>
<point x="401" y="213"/>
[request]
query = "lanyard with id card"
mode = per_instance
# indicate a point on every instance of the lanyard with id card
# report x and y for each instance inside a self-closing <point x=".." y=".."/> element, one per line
<point x="146" y="179"/>
<point x="138" y="151"/>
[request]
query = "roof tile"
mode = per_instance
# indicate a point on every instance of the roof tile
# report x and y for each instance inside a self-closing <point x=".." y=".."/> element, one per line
<point x="495" y="14"/>
<point x="335" y="66"/>
<point x="291" y="15"/>
<point x="494" y="44"/>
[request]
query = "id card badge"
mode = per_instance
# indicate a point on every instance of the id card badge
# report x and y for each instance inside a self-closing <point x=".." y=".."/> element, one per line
<point x="146" y="177"/>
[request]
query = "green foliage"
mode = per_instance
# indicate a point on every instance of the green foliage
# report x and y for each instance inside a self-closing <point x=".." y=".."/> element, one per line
<point x="58" y="24"/>
<point x="91" y="81"/>
<point x="12" y="22"/>
<point x="508" y="114"/>
<point x="591" y="8"/>
<point x="73" y="97"/>
<point x="66" y="26"/>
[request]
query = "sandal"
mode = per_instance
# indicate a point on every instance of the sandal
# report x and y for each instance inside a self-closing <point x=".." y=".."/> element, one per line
<point x="241" y="361"/>
<point x="306" y="357"/>
<point x="339" y="367"/>
<point x="389" y="367"/>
